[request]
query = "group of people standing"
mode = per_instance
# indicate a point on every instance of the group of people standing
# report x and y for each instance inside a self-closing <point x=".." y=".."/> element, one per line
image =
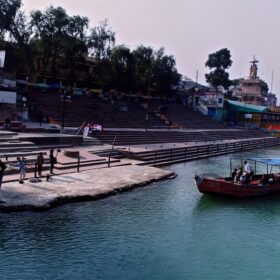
<point x="22" y="164"/>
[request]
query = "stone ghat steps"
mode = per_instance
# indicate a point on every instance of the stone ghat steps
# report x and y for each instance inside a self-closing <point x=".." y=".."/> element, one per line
<point x="74" y="164"/>
<point x="177" y="155"/>
<point x="16" y="144"/>
<point x="9" y="139"/>
<point x="150" y="138"/>
<point x="190" y="118"/>
<point x="105" y="153"/>
<point x="82" y="161"/>
<point x="141" y="137"/>
<point x="25" y="150"/>
<point x="5" y="134"/>
<point x="21" y="154"/>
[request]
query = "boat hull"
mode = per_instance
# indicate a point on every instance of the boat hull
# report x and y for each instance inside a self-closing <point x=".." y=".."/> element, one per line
<point x="219" y="186"/>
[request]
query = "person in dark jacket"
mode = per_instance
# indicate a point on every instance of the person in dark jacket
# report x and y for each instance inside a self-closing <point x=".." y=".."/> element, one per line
<point x="39" y="163"/>
<point x="2" y="169"/>
<point x="53" y="161"/>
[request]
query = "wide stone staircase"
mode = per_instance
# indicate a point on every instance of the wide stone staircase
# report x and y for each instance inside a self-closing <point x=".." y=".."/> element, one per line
<point x="91" y="109"/>
<point x="127" y="137"/>
<point x="162" y="156"/>
<point x="190" y="118"/>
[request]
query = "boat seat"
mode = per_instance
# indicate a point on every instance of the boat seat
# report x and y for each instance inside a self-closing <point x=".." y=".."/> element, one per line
<point x="254" y="182"/>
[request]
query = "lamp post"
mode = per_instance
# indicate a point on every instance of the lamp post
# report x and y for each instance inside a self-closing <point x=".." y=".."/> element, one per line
<point x="147" y="119"/>
<point x="195" y="97"/>
<point x="65" y="97"/>
<point x="63" y="109"/>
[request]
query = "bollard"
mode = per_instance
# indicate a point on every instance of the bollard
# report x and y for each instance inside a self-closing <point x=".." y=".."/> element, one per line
<point x="35" y="171"/>
<point x="78" y="166"/>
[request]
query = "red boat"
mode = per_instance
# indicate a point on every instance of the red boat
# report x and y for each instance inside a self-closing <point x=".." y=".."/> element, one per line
<point x="255" y="187"/>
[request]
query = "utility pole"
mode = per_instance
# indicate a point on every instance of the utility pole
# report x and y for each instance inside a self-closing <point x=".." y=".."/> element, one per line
<point x="63" y="109"/>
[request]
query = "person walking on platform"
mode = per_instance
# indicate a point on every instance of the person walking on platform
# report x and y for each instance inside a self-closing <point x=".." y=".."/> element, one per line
<point x="2" y="169"/>
<point x="39" y="163"/>
<point x="21" y="164"/>
<point x="53" y="161"/>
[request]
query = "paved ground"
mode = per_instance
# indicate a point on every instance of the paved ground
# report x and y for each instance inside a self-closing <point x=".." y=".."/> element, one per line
<point x="92" y="185"/>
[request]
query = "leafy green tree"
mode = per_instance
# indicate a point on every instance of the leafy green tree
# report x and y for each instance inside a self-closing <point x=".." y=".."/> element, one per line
<point x="20" y="36"/>
<point x="219" y="62"/>
<point x="8" y="11"/>
<point x="101" y="41"/>
<point x="264" y="87"/>
<point x="165" y="72"/>
<point x="74" y="46"/>
<point x="143" y="61"/>
<point x="50" y="29"/>
<point x="122" y="65"/>
<point x="154" y="70"/>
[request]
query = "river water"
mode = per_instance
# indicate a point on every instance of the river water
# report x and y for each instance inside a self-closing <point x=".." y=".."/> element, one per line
<point x="167" y="230"/>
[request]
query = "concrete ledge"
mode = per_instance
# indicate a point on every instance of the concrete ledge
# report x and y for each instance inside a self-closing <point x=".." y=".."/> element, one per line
<point x="90" y="185"/>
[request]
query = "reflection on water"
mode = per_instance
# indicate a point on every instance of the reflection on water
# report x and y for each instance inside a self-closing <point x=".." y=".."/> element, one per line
<point x="207" y="203"/>
<point x="164" y="231"/>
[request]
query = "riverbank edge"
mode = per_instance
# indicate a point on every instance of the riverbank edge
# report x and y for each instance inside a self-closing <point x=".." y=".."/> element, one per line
<point x="61" y="200"/>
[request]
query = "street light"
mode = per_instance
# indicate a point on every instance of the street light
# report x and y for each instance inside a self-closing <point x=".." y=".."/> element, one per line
<point x="64" y="97"/>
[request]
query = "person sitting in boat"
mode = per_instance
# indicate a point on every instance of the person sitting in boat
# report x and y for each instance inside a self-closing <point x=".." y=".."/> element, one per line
<point x="271" y="179"/>
<point x="244" y="178"/>
<point x="237" y="176"/>
<point x="264" y="180"/>
<point x="233" y="173"/>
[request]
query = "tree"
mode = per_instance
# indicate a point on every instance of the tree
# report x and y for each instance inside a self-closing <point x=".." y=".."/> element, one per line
<point x="264" y="87"/>
<point x="122" y="65"/>
<point x="219" y="61"/>
<point x="165" y="72"/>
<point x="143" y="61"/>
<point x="50" y="29"/>
<point x="8" y="11"/>
<point x="154" y="70"/>
<point x="20" y="36"/>
<point x="74" y="45"/>
<point x="101" y="41"/>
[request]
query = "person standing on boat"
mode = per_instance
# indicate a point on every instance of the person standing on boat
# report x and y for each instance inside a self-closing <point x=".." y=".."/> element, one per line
<point x="248" y="168"/>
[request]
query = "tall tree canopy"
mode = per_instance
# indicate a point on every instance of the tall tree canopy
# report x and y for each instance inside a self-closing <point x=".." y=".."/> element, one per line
<point x="8" y="11"/>
<point x="59" y="35"/>
<point x="219" y="62"/>
<point x="101" y="41"/>
<point x="57" y="42"/>
<point x="122" y="64"/>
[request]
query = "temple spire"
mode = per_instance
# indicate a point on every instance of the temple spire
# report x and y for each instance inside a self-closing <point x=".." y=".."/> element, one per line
<point x="254" y="68"/>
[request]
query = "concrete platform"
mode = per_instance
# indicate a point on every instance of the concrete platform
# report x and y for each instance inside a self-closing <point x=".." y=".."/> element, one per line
<point x="89" y="185"/>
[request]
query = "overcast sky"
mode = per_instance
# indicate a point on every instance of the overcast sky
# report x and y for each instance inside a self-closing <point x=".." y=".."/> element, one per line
<point x="191" y="29"/>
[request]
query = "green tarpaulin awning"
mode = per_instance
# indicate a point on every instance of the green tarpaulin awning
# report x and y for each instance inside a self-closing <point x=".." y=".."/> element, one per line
<point x="245" y="108"/>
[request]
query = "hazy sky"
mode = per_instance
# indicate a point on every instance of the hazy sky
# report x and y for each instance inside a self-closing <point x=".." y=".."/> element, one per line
<point x="191" y="29"/>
